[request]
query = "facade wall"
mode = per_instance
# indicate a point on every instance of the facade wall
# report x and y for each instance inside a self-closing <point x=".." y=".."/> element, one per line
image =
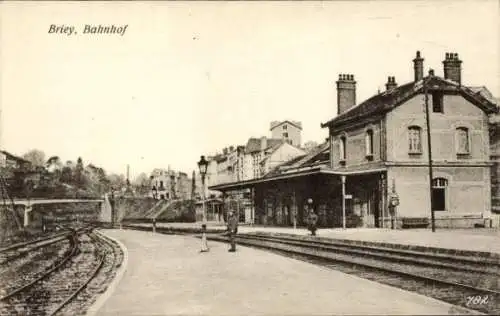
<point x="355" y="151"/>
<point x="287" y="132"/>
<point x="458" y="112"/>
<point x="466" y="195"/>
<point x="211" y="176"/>
<point x="245" y="166"/>
<point x="284" y="153"/>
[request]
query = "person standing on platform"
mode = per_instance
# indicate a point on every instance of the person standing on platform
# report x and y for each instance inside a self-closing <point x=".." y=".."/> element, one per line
<point x="232" y="227"/>
<point x="312" y="221"/>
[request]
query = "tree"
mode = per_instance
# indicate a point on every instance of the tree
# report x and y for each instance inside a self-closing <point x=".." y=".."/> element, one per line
<point x="79" y="176"/>
<point x="141" y="183"/>
<point x="66" y="175"/>
<point x="117" y="181"/>
<point x="36" y="157"/>
<point x="310" y="146"/>
<point x="193" y="186"/>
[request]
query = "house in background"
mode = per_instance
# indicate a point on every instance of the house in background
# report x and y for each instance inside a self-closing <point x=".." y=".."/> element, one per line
<point x="278" y="154"/>
<point x="169" y="184"/>
<point x="10" y="161"/>
<point x="289" y="131"/>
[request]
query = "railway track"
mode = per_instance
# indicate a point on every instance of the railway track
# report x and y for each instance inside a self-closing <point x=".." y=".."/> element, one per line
<point x="18" y="250"/>
<point x="462" y="281"/>
<point x="112" y="256"/>
<point x="69" y="284"/>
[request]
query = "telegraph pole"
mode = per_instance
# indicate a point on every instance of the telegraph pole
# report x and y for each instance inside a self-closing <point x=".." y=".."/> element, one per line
<point x="429" y="146"/>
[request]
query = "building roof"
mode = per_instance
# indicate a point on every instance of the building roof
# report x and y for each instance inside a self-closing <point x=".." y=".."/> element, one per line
<point x="317" y="151"/>
<point x="271" y="150"/>
<point x="486" y="93"/>
<point x="319" y="156"/>
<point x="294" y="123"/>
<point x="389" y="99"/>
<point x="255" y="144"/>
<point x="13" y="157"/>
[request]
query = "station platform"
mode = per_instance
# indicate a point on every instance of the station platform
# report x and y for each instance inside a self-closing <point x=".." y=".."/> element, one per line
<point x="167" y="275"/>
<point x="470" y="240"/>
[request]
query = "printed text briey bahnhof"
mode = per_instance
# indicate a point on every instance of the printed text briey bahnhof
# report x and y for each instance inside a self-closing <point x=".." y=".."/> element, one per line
<point x="88" y="29"/>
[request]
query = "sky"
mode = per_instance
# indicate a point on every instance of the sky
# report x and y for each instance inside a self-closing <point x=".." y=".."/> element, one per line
<point x="190" y="78"/>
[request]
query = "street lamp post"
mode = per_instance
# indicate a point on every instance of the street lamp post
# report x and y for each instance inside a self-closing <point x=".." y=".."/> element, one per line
<point x="202" y="165"/>
<point x="154" y="192"/>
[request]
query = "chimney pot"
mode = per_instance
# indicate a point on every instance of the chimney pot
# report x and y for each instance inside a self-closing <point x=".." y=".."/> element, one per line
<point x="431" y="72"/>
<point x="340" y="77"/>
<point x="418" y="67"/>
<point x="391" y="83"/>
<point x="452" y="67"/>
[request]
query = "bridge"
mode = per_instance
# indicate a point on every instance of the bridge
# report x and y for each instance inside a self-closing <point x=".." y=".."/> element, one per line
<point x="28" y="204"/>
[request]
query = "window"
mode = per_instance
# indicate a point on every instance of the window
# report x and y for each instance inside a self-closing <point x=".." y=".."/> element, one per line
<point x="342" y="148"/>
<point x="285" y="135"/>
<point x="463" y="146"/>
<point x="369" y="143"/>
<point x="285" y="127"/>
<point x="437" y="102"/>
<point x="414" y="140"/>
<point x="439" y="194"/>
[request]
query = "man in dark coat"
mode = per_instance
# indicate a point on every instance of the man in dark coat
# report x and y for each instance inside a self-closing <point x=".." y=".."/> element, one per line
<point x="232" y="228"/>
<point x="312" y="221"/>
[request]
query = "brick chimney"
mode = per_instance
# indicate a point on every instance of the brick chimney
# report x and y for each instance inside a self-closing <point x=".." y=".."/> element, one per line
<point x="418" y="67"/>
<point x="346" y="92"/>
<point x="263" y="142"/>
<point x="452" y="67"/>
<point x="391" y="83"/>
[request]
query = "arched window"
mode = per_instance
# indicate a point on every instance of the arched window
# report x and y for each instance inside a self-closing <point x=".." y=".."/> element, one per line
<point x="414" y="140"/>
<point x="369" y="143"/>
<point x="342" y="148"/>
<point x="439" y="186"/>
<point x="463" y="144"/>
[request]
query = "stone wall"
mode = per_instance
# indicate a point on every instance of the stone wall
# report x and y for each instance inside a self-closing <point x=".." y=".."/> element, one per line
<point x="64" y="214"/>
<point x="132" y="208"/>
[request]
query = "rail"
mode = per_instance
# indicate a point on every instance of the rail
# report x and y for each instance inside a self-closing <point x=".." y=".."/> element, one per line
<point x="384" y="269"/>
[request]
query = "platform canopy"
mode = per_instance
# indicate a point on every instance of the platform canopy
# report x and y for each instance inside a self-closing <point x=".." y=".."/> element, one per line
<point x="291" y="174"/>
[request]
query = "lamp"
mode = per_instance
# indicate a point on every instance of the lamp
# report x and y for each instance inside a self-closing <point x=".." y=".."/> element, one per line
<point x="202" y="165"/>
<point x="154" y="191"/>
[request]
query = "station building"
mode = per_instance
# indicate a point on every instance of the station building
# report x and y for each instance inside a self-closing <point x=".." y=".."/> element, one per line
<point x="379" y="148"/>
